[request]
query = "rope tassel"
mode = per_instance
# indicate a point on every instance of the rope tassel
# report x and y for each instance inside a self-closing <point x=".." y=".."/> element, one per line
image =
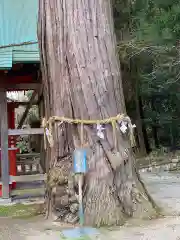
<point x="48" y="133"/>
<point x="114" y="134"/>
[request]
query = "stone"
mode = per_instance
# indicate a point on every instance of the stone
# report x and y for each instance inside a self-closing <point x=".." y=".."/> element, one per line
<point x="5" y="201"/>
<point x="71" y="218"/>
<point x="70" y="192"/>
<point x="60" y="213"/>
<point x="54" y="216"/>
<point x="175" y="160"/>
<point x="62" y="201"/>
<point x="74" y="207"/>
<point x="149" y="169"/>
<point x="72" y="199"/>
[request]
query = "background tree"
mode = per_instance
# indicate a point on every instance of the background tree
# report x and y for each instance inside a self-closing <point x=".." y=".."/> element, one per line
<point x="82" y="79"/>
<point x="151" y="52"/>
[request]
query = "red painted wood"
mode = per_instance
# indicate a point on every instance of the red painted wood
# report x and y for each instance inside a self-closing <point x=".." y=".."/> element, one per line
<point x="12" y="139"/>
<point x="11" y="115"/>
<point x="12" y="159"/>
<point x="21" y="79"/>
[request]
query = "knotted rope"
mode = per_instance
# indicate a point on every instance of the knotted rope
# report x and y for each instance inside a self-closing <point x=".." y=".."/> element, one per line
<point x="48" y="126"/>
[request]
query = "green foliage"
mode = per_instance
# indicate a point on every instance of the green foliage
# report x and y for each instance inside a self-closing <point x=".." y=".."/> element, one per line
<point x="19" y="211"/>
<point x="153" y="47"/>
<point x="23" y="143"/>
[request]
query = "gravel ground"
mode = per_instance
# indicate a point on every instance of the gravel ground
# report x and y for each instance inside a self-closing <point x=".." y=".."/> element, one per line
<point x="160" y="229"/>
<point x="165" y="189"/>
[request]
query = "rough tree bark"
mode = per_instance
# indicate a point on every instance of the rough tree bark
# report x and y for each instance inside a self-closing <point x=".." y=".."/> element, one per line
<point x="82" y="80"/>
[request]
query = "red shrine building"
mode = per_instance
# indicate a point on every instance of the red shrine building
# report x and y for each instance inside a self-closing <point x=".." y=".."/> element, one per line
<point x="19" y="70"/>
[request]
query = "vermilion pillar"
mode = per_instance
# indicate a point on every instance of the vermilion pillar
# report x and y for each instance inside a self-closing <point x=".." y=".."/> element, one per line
<point x="12" y="141"/>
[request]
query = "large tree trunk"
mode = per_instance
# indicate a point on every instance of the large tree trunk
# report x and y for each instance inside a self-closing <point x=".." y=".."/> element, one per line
<point x="142" y="132"/>
<point x="82" y="80"/>
<point x="139" y="119"/>
<point x="155" y="125"/>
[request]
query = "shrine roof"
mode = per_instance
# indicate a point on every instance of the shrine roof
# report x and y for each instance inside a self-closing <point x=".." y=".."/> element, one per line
<point x="18" y="32"/>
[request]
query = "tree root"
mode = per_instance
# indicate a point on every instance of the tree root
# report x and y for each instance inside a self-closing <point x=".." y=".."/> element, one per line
<point x="149" y="198"/>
